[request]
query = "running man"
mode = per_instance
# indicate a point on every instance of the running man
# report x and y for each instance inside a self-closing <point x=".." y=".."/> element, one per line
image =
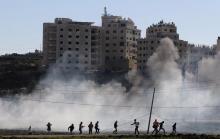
<point x="97" y="127"/>
<point x="174" y="129"/>
<point x="71" y="128"/>
<point x="49" y="127"/>
<point x="115" y="127"/>
<point x="136" y="127"/>
<point x="90" y="127"/>
<point x="155" y="126"/>
<point x="161" y="127"/>
<point x="81" y="127"/>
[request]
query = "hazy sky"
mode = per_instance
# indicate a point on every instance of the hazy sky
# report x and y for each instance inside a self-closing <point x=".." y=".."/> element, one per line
<point x="198" y="21"/>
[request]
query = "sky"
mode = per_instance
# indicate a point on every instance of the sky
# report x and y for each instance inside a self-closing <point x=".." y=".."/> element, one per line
<point x="197" y="21"/>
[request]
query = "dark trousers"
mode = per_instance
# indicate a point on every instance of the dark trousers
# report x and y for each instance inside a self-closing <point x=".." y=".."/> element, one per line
<point x="90" y="131"/>
<point x="162" y="130"/>
<point x="136" y="130"/>
<point x="155" y="131"/>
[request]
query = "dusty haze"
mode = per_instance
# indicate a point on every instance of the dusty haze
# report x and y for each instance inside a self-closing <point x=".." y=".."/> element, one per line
<point x="183" y="100"/>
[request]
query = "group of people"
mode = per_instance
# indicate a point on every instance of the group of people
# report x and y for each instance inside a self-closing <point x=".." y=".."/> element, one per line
<point x="81" y="126"/>
<point x="157" y="126"/>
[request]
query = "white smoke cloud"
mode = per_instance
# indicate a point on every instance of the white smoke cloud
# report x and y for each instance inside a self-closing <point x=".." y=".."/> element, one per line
<point x="63" y="101"/>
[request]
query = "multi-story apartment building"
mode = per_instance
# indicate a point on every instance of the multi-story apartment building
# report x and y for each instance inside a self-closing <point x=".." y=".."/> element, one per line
<point x="119" y="40"/>
<point x="84" y="47"/>
<point x="71" y="44"/>
<point x="147" y="46"/>
<point x="115" y="46"/>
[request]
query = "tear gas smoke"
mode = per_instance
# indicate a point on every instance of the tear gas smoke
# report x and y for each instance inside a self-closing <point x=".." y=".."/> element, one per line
<point x="177" y="99"/>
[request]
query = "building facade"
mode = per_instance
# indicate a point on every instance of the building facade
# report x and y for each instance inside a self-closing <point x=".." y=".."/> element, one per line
<point x="120" y="37"/>
<point x="147" y="46"/>
<point x="80" y="46"/>
<point x="70" y="44"/>
<point x="115" y="46"/>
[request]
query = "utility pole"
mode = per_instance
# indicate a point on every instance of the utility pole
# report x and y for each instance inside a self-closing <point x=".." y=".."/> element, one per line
<point x="152" y="103"/>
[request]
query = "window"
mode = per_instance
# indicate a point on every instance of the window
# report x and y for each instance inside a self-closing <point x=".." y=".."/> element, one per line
<point x="77" y="43"/>
<point x="86" y="55"/>
<point x="86" y="30"/>
<point x="69" y="55"/>
<point x="122" y="31"/>
<point x="77" y="55"/>
<point x="86" y="49"/>
<point x="109" y="25"/>
<point x="114" y="31"/>
<point x="107" y="32"/>
<point x="121" y="57"/>
<point x="61" y="36"/>
<point x="122" y="44"/>
<point x="107" y="51"/>
<point x="77" y="49"/>
<point x="106" y="44"/>
<point x="122" y="25"/>
<point x="107" y="58"/>
<point x="61" y="55"/>
<point x="86" y="62"/>
<point x="113" y="57"/>
<point x="93" y="43"/>
<point x="70" y="30"/>
<point x="61" y="42"/>
<point x="121" y="51"/>
<point x="121" y="38"/>
<point x="114" y="44"/>
<point x="69" y="62"/>
<point x="86" y="43"/>
<point x="77" y="62"/>
<point x="61" y="29"/>
<point x="152" y="42"/>
<point x="114" y="51"/>
<point x="69" y="42"/>
<point x="69" y="48"/>
<point x="77" y="30"/>
<point x="61" y="48"/>
<point x="93" y="38"/>
<point x="86" y="37"/>
<point x="92" y="50"/>
<point x="107" y="38"/>
<point x="70" y="36"/>
<point x="93" y="62"/>
<point x="77" y="36"/>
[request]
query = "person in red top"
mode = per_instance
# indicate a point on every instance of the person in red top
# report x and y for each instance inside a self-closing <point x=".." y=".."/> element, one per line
<point x="155" y="126"/>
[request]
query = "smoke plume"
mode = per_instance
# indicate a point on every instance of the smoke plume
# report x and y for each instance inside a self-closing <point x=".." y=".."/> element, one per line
<point x="63" y="101"/>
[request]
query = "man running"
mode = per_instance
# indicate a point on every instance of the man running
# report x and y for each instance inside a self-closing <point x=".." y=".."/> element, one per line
<point x="71" y="128"/>
<point x="136" y="127"/>
<point x="80" y="127"/>
<point x="174" y="129"/>
<point x="29" y="130"/>
<point x="155" y="126"/>
<point x="161" y="127"/>
<point x="90" y="127"/>
<point x="116" y="127"/>
<point x="49" y="127"/>
<point x="97" y="127"/>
